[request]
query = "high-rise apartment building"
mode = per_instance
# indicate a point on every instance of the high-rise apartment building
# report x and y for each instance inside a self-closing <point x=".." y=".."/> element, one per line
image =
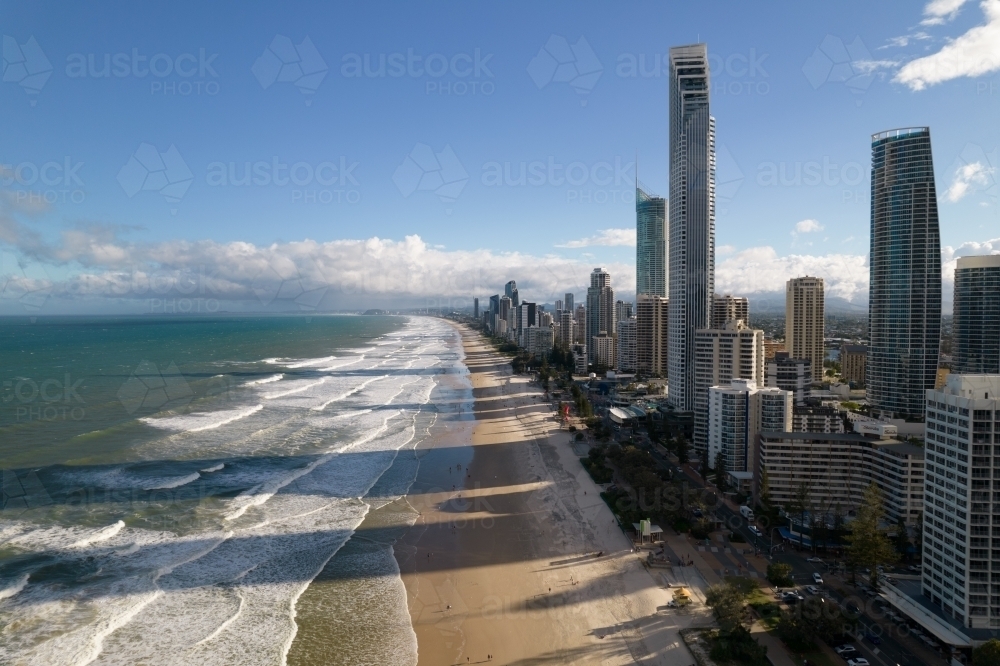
<point x="904" y="302"/>
<point x="735" y="352"/>
<point x="626" y="345"/>
<point x="962" y="436"/>
<point x="475" y="308"/>
<point x="790" y="374"/>
<point x="726" y="308"/>
<point x="510" y="291"/>
<point x="494" y="313"/>
<point x="651" y="254"/>
<point x="624" y="310"/>
<point x="558" y="305"/>
<point x="838" y="467"/>
<point x="566" y="333"/>
<point x="568" y="302"/>
<point x="603" y="349"/>
<point x="580" y="324"/>
<point x="691" y="215"/>
<point x="976" y="324"/>
<point x="804" y="319"/>
<point x="652" y="322"/>
<point x="853" y="359"/>
<point x="600" y="309"/>
<point x="737" y="413"/>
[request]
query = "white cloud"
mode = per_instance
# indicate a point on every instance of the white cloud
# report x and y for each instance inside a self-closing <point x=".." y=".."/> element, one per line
<point x="974" y="53"/>
<point x="904" y="40"/>
<point x="723" y="250"/>
<point x="967" y="178"/>
<point x="761" y="269"/>
<point x="941" y="11"/>
<point x="605" y="237"/>
<point x="807" y="227"/>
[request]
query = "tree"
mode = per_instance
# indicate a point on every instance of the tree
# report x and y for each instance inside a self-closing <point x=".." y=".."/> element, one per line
<point x="869" y="545"/>
<point x="720" y="471"/>
<point x="704" y="464"/>
<point x="800" y="504"/>
<point x="764" y="494"/>
<point x="728" y="601"/>
<point x="780" y="574"/>
<point x="682" y="450"/>
<point x="902" y="540"/>
<point x="987" y="654"/>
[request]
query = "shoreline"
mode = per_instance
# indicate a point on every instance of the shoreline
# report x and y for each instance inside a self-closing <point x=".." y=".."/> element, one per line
<point x="507" y="565"/>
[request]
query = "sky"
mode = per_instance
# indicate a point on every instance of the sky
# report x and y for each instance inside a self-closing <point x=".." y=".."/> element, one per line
<point x="196" y="157"/>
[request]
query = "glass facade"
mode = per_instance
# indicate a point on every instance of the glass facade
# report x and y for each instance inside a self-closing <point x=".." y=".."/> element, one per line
<point x="976" y="327"/>
<point x="651" y="244"/>
<point x="904" y="304"/>
<point x="692" y="215"/>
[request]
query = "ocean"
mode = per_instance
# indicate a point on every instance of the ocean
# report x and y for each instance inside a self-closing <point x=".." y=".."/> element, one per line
<point x="173" y="486"/>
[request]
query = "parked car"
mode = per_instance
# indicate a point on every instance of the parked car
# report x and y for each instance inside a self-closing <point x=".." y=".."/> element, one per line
<point x="817" y="579"/>
<point x="756" y="532"/>
<point x="815" y="560"/>
<point x="812" y="589"/>
<point x="872" y="638"/>
<point x="860" y="661"/>
<point x="846" y="647"/>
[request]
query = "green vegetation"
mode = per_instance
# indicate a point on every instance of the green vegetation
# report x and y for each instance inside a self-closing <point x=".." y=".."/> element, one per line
<point x="870" y="546"/>
<point x="987" y="654"/>
<point x="811" y="620"/>
<point x="733" y="642"/>
<point x="594" y="464"/>
<point x="780" y="574"/>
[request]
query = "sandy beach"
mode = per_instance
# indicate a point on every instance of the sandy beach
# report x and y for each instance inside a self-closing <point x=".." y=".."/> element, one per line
<point x="501" y="564"/>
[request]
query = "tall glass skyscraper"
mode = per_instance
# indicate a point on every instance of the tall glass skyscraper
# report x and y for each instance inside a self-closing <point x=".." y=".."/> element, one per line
<point x="692" y="215"/>
<point x="904" y="302"/>
<point x="976" y="326"/>
<point x="650" y="244"/>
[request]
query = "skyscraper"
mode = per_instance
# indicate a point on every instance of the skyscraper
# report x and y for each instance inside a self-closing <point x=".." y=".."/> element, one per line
<point x="692" y="215"/>
<point x="650" y="244"/>
<point x="804" y="320"/>
<point x="735" y="352"/>
<point x="976" y="326"/>
<point x="729" y="307"/>
<point x="904" y="302"/>
<point x="475" y="308"/>
<point x="652" y="323"/>
<point x="568" y="302"/>
<point x="624" y="310"/>
<point x="600" y="308"/>
<point x="626" y="349"/>
<point x="510" y="291"/>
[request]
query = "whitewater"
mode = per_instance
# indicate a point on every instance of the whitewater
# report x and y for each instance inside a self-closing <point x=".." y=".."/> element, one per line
<point x="196" y="546"/>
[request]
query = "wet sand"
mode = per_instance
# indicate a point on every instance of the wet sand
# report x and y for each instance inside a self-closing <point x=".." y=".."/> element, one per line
<point x="505" y="563"/>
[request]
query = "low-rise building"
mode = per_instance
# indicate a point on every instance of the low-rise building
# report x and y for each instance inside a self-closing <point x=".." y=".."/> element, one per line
<point x="852" y="363"/>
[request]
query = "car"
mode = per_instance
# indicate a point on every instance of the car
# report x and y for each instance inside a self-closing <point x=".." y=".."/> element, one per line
<point x="756" y="532"/>
<point x="872" y="638"/>
<point x="812" y="589"/>
<point x="815" y="560"/>
<point x="846" y="647"/>
<point x="914" y="568"/>
<point x="817" y="579"/>
<point x="860" y="661"/>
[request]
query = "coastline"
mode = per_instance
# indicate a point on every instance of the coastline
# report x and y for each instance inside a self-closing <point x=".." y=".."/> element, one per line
<point x="505" y="564"/>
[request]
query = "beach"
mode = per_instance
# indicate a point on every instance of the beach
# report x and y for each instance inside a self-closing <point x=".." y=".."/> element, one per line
<point x="515" y="558"/>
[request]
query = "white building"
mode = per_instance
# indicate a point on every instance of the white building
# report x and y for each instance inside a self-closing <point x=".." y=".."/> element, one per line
<point x="626" y="345"/>
<point x="722" y="355"/>
<point x="603" y="350"/>
<point x="539" y="341"/>
<point x="737" y="413"/>
<point x="963" y="422"/>
<point x="566" y="328"/>
<point x="839" y="466"/>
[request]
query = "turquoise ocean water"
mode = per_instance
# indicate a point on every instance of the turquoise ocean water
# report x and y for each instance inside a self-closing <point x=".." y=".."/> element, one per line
<point x="172" y="485"/>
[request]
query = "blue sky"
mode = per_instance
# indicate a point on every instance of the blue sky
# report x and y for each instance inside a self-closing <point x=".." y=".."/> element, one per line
<point x="433" y="148"/>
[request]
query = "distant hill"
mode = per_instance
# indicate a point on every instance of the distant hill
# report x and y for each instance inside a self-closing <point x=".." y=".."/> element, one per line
<point x="773" y="302"/>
